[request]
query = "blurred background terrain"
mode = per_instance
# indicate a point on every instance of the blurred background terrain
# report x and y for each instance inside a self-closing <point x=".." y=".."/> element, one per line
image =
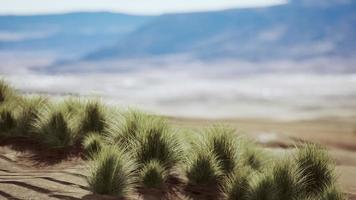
<point x="293" y="60"/>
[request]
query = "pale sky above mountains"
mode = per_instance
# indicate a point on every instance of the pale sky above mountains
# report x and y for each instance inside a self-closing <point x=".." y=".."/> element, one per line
<point x="150" y="7"/>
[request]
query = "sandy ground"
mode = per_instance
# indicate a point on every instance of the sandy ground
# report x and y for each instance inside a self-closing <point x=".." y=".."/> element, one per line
<point x="25" y="175"/>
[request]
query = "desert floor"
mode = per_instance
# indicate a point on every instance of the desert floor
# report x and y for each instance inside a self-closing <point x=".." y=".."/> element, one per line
<point x="28" y="172"/>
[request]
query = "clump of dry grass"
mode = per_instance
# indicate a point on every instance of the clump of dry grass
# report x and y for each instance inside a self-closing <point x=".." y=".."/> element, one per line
<point x="315" y="168"/>
<point x="28" y="113"/>
<point x="9" y="101"/>
<point x="91" y="118"/>
<point x="126" y="128"/>
<point x="203" y="167"/>
<point x="112" y="173"/>
<point x="252" y="156"/>
<point x="53" y="128"/>
<point x="7" y="93"/>
<point x="237" y="185"/>
<point x="287" y="182"/>
<point x="332" y="192"/>
<point x="262" y="187"/>
<point x="222" y="142"/>
<point x="92" y="144"/>
<point x="153" y="174"/>
<point x="157" y="141"/>
<point x="7" y="122"/>
<point x="73" y="105"/>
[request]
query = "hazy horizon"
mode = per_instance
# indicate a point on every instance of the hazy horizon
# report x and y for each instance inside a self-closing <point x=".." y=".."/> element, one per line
<point x="138" y="7"/>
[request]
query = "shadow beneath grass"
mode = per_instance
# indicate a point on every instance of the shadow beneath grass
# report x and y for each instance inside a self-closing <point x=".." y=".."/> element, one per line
<point x="100" y="197"/>
<point x="172" y="189"/>
<point x="208" y="192"/>
<point x="39" y="153"/>
<point x="59" y="196"/>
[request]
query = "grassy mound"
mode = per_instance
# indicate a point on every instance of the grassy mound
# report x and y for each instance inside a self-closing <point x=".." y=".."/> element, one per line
<point x="286" y="181"/>
<point x="262" y="188"/>
<point x="92" y="144"/>
<point x="314" y="165"/>
<point x="253" y="156"/>
<point x="92" y="118"/>
<point x="7" y="121"/>
<point x="222" y="142"/>
<point x="7" y="93"/>
<point x="153" y="174"/>
<point x="111" y="173"/>
<point x="125" y="129"/>
<point x="203" y="168"/>
<point x="158" y="142"/>
<point x="237" y="185"/>
<point x="332" y="193"/>
<point x="53" y="127"/>
<point x="28" y="114"/>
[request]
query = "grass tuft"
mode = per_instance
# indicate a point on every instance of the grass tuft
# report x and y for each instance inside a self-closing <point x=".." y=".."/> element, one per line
<point x="73" y="105"/>
<point x="252" y="156"/>
<point x="53" y="127"/>
<point x="7" y="93"/>
<point x="126" y="130"/>
<point x="92" y="118"/>
<point x="262" y="187"/>
<point x="332" y="193"/>
<point x="153" y="174"/>
<point x="222" y="142"/>
<point x="92" y="144"/>
<point x="203" y="168"/>
<point x="28" y="113"/>
<point x="158" y="142"/>
<point x="287" y="184"/>
<point x="111" y="173"/>
<point x="7" y="121"/>
<point x="237" y="186"/>
<point x="315" y="168"/>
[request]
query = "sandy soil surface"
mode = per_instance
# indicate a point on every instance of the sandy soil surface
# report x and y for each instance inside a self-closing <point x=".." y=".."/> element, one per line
<point x="28" y="174"/>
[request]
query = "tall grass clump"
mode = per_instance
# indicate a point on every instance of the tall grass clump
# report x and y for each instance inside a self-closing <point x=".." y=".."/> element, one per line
<point x="252" y="156"/>
<point x="53" y="128"/>
<point x="237" y="185"/>
<point x="222" y="142"/>
<point x="92" y="118"/>
<point x="7" y="93"/>
<point x="287" y="183"/>
<point x="262" y="187"/>
<point x="315" y="168"/>
<point x="73" y="104"/>
<point x="158" y="142"/>
<point x="92" y="144"/>
<point x="332" y="193"/>
<point x="28" y="113"/>
<point x="127" y="129"/>
<point x="111" y="173"/>
<point x="203" y="167"/>
<point x="153" y="174"/>
<point x="7" y="121"/>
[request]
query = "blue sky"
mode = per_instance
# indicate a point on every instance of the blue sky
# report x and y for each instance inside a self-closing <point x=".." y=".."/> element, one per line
<point x="151" y="7"/>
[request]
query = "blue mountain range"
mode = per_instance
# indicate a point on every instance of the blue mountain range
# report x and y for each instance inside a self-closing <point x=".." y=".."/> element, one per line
<point x="301" y="29"/>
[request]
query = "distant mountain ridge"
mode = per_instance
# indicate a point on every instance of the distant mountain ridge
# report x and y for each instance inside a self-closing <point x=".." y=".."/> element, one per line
<point x="72" y="33"/>
<point x="299" y="30"/>
<point x="292" y="31"/>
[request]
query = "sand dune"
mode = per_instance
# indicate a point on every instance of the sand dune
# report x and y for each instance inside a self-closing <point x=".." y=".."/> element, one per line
<point x="24" y="176"/>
